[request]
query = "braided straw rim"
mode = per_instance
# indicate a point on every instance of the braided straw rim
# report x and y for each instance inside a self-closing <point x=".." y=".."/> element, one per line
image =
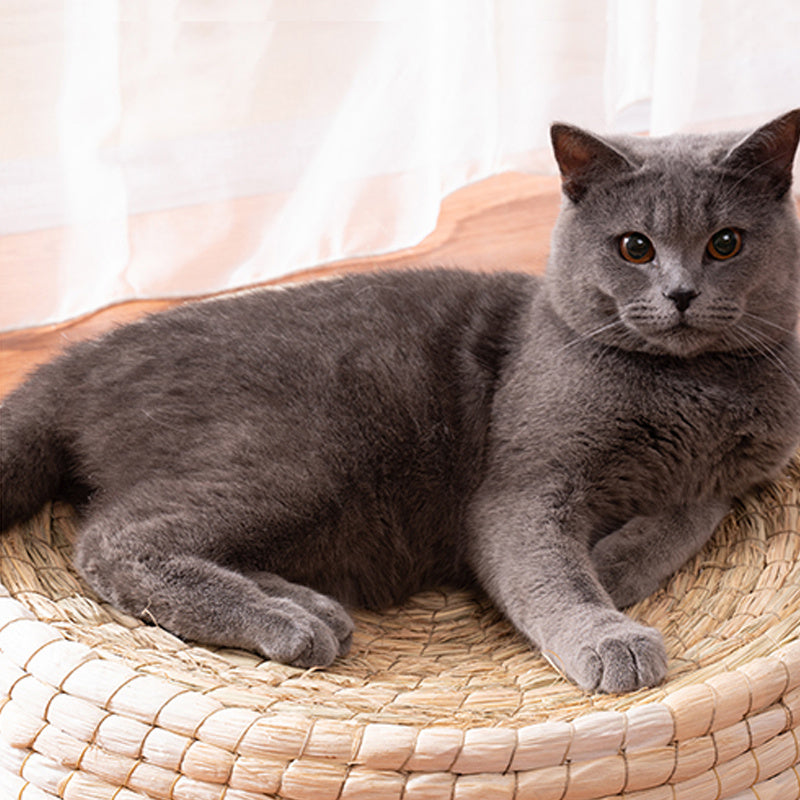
<point x="439" y="699"/>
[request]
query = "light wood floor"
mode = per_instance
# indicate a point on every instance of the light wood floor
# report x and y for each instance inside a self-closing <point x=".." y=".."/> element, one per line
<point x="503" y="222"/>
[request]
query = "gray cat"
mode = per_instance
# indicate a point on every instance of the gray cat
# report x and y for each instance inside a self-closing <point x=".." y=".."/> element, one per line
<point x="246" y="467"/>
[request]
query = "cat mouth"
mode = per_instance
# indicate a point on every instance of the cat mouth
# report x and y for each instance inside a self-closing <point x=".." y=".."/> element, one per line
<point x="680" y="333"/>
<point x="683" y="338"/>
<point x="679" y="338"/>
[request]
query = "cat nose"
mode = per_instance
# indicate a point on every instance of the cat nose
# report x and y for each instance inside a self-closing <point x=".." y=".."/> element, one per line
<point x="682" y="297"/>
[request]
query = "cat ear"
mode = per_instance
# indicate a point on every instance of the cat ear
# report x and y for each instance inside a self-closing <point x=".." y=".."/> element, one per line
<point x="583" y="158"/>
<point x="766" y="155"/>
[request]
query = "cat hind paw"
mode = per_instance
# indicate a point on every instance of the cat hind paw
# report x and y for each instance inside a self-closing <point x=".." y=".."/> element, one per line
<point x="300" y="641"/>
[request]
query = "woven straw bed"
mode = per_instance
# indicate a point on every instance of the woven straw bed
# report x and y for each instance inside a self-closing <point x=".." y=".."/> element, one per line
<point x="438" y="699"/>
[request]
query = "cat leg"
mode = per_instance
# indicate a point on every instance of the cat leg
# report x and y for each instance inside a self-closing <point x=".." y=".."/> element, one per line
<point x="145" y="566"/>
<point x="535" y="565"/>
<point x="634" y="560"/>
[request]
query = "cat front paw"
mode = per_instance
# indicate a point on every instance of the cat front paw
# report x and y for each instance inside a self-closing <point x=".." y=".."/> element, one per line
<point x="611" y="654"/>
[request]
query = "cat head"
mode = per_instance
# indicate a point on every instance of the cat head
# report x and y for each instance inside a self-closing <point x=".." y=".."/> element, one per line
<point x="678" y="245"/>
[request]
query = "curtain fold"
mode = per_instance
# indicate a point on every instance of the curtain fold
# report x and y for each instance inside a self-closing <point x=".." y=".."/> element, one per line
<point x="154" y="148"/>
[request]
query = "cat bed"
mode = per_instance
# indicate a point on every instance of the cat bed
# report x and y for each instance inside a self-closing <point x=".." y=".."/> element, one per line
<point x="438" y="699"/>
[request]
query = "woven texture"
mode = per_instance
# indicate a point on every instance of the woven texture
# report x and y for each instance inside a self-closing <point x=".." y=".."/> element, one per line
<point x="438" y="699"/>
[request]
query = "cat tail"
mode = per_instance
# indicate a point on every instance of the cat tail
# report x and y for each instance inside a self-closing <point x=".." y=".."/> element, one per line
<point x="32" y="458"/>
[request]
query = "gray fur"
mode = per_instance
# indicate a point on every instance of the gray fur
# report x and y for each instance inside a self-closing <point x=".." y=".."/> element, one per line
<point x="247" y="467"/>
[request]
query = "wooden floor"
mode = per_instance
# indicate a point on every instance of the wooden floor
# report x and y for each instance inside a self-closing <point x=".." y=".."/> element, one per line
<point x="503" y="222"/>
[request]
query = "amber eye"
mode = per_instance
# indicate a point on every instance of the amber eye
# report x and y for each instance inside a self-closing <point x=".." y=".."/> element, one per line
<point x="636" y="248"/>
<point x="724" y="244"/>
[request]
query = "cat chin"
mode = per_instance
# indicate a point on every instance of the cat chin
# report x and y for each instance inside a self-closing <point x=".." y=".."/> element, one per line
<point x="681" y="341"/>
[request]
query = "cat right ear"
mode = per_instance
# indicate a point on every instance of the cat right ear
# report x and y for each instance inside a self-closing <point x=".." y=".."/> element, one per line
<point x="766" y="156"/>
<point x="583" y="158"/>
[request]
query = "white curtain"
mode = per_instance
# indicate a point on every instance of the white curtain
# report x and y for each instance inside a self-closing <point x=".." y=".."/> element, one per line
<point x="154" y="148"/>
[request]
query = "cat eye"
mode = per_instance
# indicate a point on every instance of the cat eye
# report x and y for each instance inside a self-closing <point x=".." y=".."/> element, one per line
<point x="724" y="244"/>
<point x="636" y="248"/>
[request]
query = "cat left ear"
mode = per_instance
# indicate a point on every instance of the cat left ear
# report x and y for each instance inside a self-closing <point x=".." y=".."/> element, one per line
<point x="583" y="158"/>
<point x="766" y="155"/>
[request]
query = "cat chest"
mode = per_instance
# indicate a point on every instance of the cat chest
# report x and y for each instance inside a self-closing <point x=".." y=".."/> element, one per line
<point x="630" y="441"/>
<point x="685" y="443"/>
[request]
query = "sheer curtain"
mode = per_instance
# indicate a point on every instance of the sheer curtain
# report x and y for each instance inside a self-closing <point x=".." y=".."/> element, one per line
<point x="153" y="148"/>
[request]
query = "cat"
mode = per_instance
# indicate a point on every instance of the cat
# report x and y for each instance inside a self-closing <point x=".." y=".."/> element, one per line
<point x="248" y="467"/>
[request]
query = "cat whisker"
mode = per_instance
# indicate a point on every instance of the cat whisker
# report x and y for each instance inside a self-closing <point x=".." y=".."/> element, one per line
<point x="787" y="331"/>
<point x="752" y="339"/>
<point x="592" y="334"/>
<point x="761" y="339"/>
